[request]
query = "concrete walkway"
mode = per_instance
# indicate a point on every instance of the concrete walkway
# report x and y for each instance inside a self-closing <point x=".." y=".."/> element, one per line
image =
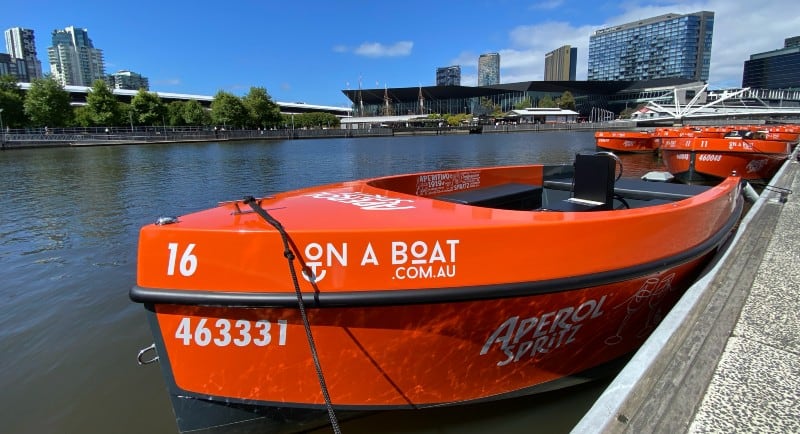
<point x="727" y="357"/>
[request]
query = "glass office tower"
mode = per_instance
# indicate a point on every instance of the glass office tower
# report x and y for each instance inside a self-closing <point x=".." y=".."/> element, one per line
<point x="488" y="69"/>
<point x="777" y="69"/>
<point x="448" y="76"/>
<point x="666" y="46"/>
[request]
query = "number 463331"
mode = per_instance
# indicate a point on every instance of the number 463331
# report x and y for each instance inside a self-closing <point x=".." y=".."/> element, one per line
<point x="224" y="332"/>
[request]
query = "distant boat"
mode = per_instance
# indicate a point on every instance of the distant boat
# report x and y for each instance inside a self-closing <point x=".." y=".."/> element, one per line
<point x="785" y="133"/>
<point x="696" y="160"/>
<point x="625" y="141"/>
<point x="420" y="290"/>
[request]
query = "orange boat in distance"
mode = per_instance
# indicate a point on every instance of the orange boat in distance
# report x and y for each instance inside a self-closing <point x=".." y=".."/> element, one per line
<point x="417" y="290"/>
<point x="625" y="141"/>
<point x="698" y="160"/>
<point x="781" y="133"/>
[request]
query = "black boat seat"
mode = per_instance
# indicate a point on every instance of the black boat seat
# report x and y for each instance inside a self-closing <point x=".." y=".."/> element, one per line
<point x="592" y="186"/>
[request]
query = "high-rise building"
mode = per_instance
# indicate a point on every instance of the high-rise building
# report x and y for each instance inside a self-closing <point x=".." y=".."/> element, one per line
<point x="8" y="65"/>
<point x="777" y="69"/>
<point x="488" y="69"/>
<point x="560" y="64"/>
<point x="127" y="80"/>
<point x="448" y="76"/>
<point x="666" y="46"/>
<point x="73" y="59"/>
<point x="21" y="46"/>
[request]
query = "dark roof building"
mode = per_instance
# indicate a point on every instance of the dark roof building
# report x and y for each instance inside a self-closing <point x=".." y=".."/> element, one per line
<point x="482" y="100"/>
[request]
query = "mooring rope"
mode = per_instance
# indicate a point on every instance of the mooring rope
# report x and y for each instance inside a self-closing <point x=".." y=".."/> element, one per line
<point x="290" y="252"/>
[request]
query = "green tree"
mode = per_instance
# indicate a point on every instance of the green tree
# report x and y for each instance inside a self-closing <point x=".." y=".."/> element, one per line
<point x="457" y="119"/>
<point x="316" y="120"/>
<point x="12" y="101"/>
<point x="566" y="101"/>
<point x="525" y="103"/>
<point x="102" y="106"/>
<point x="147" y="108"/>
<point x="195" y="114"/>
<point x="175" y="114"/>
<point x="82" y="117"/>
<point x="228" y="110"/>
<point x="9" y="83"/>
<point x="489" y="107"/>
<point x="547" y="102"/>
<point x="47" y="103"/>
<point x="126" y="113"/>
<point x="262" y="111"/>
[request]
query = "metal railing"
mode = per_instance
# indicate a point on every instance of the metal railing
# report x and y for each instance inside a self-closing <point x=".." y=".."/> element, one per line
<point x="41" y="137"/>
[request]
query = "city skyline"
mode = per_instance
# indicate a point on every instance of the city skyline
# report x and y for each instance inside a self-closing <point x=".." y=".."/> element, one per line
<point x="300" y="55"/>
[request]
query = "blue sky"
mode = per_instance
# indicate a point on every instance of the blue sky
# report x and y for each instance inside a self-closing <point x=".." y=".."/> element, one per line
<point x="310" y="51"/>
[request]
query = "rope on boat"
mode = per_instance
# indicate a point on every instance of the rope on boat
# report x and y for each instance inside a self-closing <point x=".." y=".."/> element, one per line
<point x="290" y="252"/>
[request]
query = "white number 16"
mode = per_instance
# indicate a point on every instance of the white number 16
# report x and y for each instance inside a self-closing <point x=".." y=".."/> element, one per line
<point x="188" y="264"/>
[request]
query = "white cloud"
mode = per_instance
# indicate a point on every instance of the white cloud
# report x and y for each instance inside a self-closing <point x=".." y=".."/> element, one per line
<point x="168" y="82"/>
<point x="547" y="4"/>
<point x="533" y="42"/>
<point x="376" y="49"/>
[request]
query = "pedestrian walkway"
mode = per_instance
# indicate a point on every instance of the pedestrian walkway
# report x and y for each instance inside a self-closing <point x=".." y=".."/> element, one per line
<point x="727" y="357"/>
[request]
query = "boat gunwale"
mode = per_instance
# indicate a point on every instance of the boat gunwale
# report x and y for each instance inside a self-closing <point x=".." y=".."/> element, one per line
<point x="395" y="297"/>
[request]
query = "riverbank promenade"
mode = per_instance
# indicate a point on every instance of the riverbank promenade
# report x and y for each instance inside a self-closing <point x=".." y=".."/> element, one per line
<point x="116" y="136"/>
<point x="727" y="357"/>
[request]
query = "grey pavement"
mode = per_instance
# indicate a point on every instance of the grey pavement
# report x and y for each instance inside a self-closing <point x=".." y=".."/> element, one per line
<point x="727" y="357"/>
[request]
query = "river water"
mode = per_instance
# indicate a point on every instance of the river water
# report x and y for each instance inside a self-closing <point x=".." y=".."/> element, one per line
<point x="68" y="235"/>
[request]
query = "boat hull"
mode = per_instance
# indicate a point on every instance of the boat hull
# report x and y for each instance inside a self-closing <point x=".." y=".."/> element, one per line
<point x="398" y="293"/>
<point x="403" y="357"/>
<point x="625" y="141"/>
<point x="706" y="160"/>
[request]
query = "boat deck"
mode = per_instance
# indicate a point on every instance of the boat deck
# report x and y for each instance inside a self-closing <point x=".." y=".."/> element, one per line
<point x="727" y="357"/>
<point x="630" y="193"/>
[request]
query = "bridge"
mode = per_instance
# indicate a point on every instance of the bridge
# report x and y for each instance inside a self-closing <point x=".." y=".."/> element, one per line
<point x="724" y="107"/>
<point x="78" y="97"/>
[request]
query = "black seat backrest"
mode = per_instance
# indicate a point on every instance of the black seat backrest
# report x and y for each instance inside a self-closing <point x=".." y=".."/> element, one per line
<point x="594" y="178"/>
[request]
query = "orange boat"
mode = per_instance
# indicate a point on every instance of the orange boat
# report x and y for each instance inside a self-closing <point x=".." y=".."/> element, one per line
<point x="625" y="141"/>
<point x="783" y="134"/>
<point x="418" y="290"/>
<point x="694" y="160"/>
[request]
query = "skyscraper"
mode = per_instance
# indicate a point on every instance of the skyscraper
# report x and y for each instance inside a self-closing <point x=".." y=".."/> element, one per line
<point x="666" y="46"/>
<point x="73" y="59"/>
<point x="560" y="64"/>
<point x="448" y="76"/>
<point x="777" y="69"/>
<point x="21" y="46"/>
<point x="488" y="69"/>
